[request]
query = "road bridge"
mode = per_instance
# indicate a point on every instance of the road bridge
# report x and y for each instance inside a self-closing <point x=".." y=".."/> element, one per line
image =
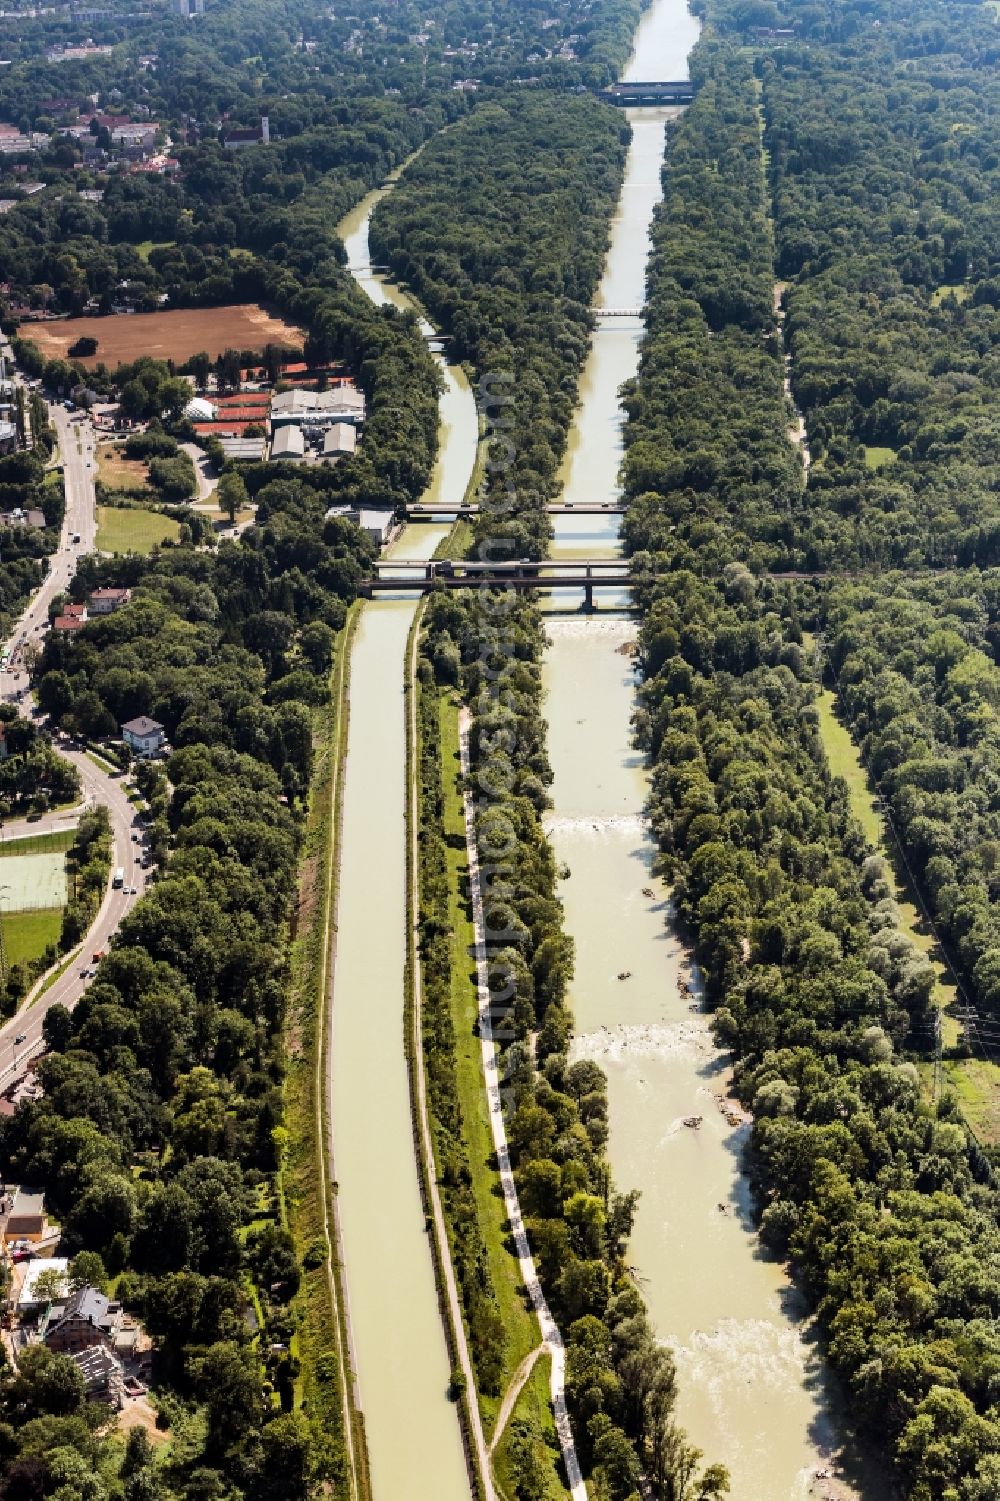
<point x="395" y="577"/>
<point x="670" y="91"/>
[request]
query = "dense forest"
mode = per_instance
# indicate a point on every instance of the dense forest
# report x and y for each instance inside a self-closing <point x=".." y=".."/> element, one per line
<point x="500" y="228"/>
<point x="871" y="201"/>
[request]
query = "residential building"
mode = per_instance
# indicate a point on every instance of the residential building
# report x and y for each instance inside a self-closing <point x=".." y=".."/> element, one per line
<point x="85" y="1320"/>
<point x="143" y="736"/>
<point x="107" y="601"/>
<point x="288" y="443"/>
<point x="26" y="1219"/>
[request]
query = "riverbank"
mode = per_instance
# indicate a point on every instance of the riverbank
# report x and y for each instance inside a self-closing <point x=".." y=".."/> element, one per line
<point x="308" y="1183"/>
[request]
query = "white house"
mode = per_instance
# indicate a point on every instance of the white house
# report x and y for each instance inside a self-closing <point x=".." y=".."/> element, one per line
<point x="143" y="736"/>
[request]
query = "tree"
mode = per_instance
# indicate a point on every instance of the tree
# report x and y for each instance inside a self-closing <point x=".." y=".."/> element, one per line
<point x="87" y="1270"/>
<point x="232" y="495"/>
<point x="133" y="402"/>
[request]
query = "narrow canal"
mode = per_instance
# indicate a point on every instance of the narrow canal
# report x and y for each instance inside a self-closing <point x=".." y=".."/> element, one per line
<point x="751" y="1386"/>
<point x="401" y="1359"/>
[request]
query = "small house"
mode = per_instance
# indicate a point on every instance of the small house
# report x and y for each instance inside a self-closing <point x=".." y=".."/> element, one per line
<point x="143" y="736"/>
<point x="26" y="1219"/>
<point x="107" y="601"/>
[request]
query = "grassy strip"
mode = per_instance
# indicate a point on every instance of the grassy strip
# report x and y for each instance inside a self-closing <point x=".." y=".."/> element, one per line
<point x="413" y="1039"/>
<point x="54" y="843"/>
<point x="519" y="1323"/>
<point x="975" y="1082"/>
<point x="844" y="761"/>
<point x="324" y="1388"/>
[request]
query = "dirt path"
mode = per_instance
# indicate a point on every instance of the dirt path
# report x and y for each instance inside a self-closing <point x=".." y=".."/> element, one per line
<point x="514" y="1390"/>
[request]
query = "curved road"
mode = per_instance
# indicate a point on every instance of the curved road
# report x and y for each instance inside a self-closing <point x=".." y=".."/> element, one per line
<point x="100" y="786"/>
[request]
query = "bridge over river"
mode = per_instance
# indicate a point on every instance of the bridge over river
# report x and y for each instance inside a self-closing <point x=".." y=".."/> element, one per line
<point x="396" y="576"/>
<point x="438" y="512"/>
<point x="671" y="91"/>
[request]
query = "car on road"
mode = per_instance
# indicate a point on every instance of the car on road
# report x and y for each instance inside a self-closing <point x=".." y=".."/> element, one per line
<point x="21" y="1037"/>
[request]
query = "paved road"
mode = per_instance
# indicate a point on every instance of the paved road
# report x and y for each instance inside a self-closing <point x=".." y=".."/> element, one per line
<point x="77" y="447"/>
<point x="58" y="821"/>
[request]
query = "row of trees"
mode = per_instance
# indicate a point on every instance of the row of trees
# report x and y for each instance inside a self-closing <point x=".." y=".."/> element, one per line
<point x="709" y="469"/>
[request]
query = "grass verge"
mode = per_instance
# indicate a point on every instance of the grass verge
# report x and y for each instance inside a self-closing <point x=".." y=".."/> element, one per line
<point x="54" y="843"/>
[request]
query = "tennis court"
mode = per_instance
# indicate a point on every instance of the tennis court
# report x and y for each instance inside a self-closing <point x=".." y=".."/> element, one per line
<point x="31" y="882"/>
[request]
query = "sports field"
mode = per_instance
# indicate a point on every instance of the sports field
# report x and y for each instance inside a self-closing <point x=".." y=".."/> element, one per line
<point x="30" y="882"/>
<point x="177" y="335"/>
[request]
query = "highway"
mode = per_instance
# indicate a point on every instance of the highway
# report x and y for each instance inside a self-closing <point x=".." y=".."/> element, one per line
<point x="77" y="445"/>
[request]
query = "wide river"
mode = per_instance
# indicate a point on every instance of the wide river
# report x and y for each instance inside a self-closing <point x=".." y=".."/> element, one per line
<point x="752" y="1392"/>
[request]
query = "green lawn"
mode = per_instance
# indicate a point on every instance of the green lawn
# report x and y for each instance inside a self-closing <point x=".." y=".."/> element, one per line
<point x="520" y="1324"/>
<point x="976" y="1083"/>
<point x="958" y="290"/>
<point x="131" y="529"/>
<point x="27" y="935"/>
<point x="144" y="247"/>
<point x="878" y="458"/>
<point x="39" y="844"/>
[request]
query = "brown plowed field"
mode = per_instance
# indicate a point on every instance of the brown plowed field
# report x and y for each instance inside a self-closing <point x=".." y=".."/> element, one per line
<point x="175" y="335"/>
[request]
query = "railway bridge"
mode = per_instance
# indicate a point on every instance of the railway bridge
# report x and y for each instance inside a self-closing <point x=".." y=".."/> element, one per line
<point x="392" y="576"/>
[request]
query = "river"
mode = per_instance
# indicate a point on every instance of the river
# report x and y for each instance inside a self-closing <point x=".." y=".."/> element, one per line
<point x="751" y="1386"/>
<point x="401" y="1360"/>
